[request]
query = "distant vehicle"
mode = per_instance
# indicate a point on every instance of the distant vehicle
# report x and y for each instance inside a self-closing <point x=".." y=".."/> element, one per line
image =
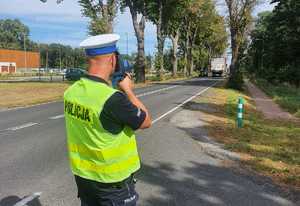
<point x="203" y="72"/>
<point x="75" y="74"/>
<point x="218" y="66"/>
<point x="62" y="72"/>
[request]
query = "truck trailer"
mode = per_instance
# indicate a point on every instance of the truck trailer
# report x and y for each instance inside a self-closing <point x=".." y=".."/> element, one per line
<point x="218" y="66"/>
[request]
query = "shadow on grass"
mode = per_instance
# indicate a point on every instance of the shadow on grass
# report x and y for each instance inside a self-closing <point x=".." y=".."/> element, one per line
<point x="256" y="131"/>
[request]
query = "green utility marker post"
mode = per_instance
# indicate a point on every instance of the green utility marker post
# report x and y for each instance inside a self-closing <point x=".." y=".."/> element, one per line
<point x="240" y="112"/>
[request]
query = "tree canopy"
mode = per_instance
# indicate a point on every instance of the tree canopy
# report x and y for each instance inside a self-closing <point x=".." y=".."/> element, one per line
<point x="274" y="52"/>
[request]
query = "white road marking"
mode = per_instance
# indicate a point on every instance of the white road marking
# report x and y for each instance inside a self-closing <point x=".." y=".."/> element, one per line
<point x="156" y="91"/>
<point x="28" y="199"/>
<point x="183" y="103"/>
<point x="30" y="124"/>
<point x="140" y="95"/>
<point x="26" y="107"/>
<point x="57" y="117"/>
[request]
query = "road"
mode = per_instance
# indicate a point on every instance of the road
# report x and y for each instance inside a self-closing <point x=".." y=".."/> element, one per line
<point x="175" y="170"/>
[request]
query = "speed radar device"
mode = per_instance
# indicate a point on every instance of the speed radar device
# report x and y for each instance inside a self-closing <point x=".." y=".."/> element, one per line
<point x="123" y="67"/>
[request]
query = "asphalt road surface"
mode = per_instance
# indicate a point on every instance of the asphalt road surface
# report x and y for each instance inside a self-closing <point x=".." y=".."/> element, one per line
<point x="175" y="171"/>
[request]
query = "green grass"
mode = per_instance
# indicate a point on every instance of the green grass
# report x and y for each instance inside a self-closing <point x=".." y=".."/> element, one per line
<point x="267" y="146"/>
<point x="288" y="97"/>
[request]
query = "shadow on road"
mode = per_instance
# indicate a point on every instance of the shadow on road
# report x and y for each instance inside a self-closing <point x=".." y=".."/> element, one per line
<point x="12" y="200"/>
<point x="203" y="184"/>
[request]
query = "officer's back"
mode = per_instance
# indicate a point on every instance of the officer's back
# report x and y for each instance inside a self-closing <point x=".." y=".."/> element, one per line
<point x="100" y="124"/>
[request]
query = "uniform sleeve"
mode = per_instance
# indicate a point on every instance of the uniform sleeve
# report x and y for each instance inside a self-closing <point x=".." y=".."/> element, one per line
<point x="118" y="112"/>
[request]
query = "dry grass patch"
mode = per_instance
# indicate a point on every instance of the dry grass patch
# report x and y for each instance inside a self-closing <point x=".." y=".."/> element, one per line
<point x="269" y="147"/>
<point x="23" y="94"/>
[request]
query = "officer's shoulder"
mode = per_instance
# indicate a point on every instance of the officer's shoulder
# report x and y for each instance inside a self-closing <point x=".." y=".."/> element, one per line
<point x="70" y="88"/>
<point x="118" y="98"/>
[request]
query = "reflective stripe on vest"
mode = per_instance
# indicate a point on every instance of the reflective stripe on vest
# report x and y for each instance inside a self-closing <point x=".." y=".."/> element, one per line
<point x="95" y="153"/>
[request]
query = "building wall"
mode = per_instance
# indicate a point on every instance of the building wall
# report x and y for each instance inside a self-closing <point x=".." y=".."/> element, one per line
<point x="32" y="58"/>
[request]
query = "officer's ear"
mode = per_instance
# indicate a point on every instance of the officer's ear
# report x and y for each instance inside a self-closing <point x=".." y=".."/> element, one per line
<point x="114" y="61"/>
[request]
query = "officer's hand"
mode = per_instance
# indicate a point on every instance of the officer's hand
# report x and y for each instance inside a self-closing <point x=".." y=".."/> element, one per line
<point x="126" y="85"/>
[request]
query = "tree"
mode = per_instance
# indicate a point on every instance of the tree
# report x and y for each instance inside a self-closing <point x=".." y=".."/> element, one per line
<point x="102" y="15"/>
<point x="239" y="16"/>
<point x="275" y="42"/>
<point x="13" y="34"/>
<point x="137" y="10"/>
<point x="174" y="13"/>
<point x="202" y="33"/>
<point x="156" y="13"/>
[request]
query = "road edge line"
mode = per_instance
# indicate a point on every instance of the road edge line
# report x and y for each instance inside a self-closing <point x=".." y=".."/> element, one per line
<point x="28" y="199"/>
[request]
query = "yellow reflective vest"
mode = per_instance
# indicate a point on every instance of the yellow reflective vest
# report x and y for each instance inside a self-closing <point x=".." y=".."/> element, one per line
<point x="95" y="153"/>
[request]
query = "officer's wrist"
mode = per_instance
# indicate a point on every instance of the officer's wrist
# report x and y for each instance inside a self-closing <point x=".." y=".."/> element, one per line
<point x="129" y="92"/>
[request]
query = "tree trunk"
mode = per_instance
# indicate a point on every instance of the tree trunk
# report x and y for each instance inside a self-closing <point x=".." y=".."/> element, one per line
<point x="160" y="41"/>
<point x="108" y="14"/>
<point x="139" y="28"/>
<point x="192" y="65"/>
<point x="175" y="39"/>
<point x="186" y="52"/>
<point x="140" y="66"/>
<point x="192" y="45"/>
<point x="235" y="52"/>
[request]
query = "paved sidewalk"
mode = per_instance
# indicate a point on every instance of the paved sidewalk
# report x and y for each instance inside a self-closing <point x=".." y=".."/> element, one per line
<point x="266" y="105"/>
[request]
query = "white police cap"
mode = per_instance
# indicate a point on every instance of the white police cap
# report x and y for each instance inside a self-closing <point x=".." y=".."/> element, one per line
<point x="100" y="44"/>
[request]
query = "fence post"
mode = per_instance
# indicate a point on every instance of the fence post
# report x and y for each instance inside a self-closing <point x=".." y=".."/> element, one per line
<point x="240" y="112"/>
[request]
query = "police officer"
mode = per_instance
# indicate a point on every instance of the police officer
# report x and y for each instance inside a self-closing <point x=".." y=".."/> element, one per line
<point x="100" y="125"/>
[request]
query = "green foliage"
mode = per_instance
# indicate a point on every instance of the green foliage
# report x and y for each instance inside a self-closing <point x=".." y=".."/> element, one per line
<point x="274" y="51"/>
<point x="239" y="19"/>
<point x="287" y="96"/>
<point x="13" y="34"/>
<point x="101" y="15"/>
<point x="236" y="81"/>
<point x="62" y="56"/>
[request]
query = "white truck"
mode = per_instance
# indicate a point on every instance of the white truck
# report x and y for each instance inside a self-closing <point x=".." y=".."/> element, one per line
<point x="218" y="66"/>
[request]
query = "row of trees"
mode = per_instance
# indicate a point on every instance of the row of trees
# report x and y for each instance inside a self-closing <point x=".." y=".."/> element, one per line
<point x="274" y="52"/>
<point x="15" y="35"/>
<point x="196" y="30"/>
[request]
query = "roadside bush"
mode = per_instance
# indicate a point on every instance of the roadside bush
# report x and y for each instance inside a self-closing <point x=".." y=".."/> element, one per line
<point x="287" y="96"/>
<point x="236" y="81"/>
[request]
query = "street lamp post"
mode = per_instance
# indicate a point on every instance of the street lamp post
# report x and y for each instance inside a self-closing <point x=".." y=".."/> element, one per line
<point x="25" y="53"/>
<point x="60" y="58"/>
<point x="127" y="43"/>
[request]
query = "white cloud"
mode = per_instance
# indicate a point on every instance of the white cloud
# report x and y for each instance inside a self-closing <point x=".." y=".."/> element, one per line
<point x="36" y="7"/>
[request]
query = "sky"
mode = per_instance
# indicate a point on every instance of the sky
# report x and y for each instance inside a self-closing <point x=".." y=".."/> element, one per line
<point x="63" y="23"/>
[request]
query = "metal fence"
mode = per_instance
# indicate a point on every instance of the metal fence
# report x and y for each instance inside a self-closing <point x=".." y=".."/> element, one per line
<point x="33" y="77"/>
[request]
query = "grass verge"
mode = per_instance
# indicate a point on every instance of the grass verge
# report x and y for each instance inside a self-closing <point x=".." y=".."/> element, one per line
<point x="31" y="93"/>
<point x="268" y="147"/>
<point x="24" y="94"/>
<point x="288" y="97"/>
